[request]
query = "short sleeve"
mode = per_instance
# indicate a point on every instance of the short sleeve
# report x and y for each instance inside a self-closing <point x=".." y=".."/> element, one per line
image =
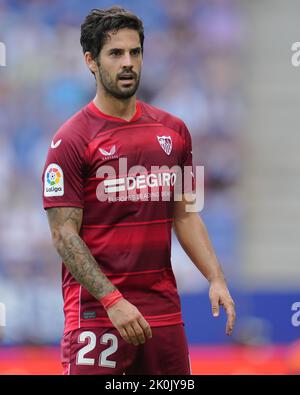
<point x="63" y="173"/>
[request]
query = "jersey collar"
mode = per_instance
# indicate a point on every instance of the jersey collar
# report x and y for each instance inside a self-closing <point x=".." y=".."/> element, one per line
<point x="101" y="114"/>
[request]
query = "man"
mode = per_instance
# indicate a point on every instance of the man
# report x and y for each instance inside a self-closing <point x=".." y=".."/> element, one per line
<point x="122" y="309"/>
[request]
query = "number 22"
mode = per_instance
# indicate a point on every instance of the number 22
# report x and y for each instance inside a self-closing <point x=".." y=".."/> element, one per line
<point x="103" y="361"/>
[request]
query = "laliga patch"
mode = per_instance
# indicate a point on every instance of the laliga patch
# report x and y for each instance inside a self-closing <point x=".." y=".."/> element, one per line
<point x="54" y="181"/>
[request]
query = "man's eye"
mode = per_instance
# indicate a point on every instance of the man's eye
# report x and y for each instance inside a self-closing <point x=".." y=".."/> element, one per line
<point x="115" y="53"/>
<point x="135" y="52"/>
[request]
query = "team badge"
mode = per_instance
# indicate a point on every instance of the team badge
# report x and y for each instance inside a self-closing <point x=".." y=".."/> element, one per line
<point x="165" y="143"/>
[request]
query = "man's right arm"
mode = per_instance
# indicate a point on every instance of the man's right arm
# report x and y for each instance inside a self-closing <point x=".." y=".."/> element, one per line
<point x="65" y="224"/>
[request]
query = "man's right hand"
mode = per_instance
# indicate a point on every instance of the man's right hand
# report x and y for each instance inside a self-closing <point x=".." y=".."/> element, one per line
<point x="130" y="323"/>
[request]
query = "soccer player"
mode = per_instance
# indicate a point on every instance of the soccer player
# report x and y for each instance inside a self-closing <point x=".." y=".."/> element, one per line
<point x="112" y="228"/>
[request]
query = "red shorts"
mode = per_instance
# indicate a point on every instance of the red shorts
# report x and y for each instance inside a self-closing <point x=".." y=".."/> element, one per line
<point x="103" y="351"/>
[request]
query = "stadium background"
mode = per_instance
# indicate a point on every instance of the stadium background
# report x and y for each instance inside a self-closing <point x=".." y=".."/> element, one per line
<point x="224" y="67"/>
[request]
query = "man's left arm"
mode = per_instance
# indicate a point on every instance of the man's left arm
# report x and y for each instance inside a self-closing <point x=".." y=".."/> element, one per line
<point x="193" y="237"/>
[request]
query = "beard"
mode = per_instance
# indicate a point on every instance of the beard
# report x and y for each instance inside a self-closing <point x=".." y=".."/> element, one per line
<point x="114" y="88"/>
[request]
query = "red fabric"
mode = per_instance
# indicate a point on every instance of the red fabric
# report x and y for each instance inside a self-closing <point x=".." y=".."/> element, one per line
<point x="101" y="114"/>
<point x="166" y="353"/>
<point x="130" y="240"/>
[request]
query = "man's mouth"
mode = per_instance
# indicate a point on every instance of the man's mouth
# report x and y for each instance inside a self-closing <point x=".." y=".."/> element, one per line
<point x="127" y="77"/>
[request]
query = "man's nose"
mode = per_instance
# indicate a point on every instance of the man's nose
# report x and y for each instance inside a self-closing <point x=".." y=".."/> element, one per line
<point x="127" y="60"/>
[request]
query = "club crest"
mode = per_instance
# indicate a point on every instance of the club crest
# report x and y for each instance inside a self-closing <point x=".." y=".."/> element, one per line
<point x="165" y="143"/>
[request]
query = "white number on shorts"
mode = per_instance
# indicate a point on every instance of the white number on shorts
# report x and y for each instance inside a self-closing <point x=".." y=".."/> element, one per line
<point x="81" y="360"/>
<point x="103" y="361"/>
<point x="110" y="350"/>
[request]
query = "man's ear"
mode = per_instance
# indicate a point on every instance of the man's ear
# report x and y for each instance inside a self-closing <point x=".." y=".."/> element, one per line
<point x="90" y="62"/>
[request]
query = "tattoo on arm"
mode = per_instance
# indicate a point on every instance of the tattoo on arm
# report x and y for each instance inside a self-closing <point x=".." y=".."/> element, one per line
<point x="65" y="223"/>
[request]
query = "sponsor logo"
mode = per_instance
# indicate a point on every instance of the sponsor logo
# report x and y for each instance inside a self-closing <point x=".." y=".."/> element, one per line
<point x="142" y="181"/>
<point x="87" y="315"/>
<point x="55" y="145"/>
<point x="54" y="181"/>
<point x="108" y="152"/>
<point x="157" y="183"/>
<point x="165" y="143"/>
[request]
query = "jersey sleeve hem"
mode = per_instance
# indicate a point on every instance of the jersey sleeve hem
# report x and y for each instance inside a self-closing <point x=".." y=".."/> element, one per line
<point x="63" y="204"/>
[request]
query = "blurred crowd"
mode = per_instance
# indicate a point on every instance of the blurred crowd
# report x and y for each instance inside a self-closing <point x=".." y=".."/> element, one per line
<point x="191" y="69"/>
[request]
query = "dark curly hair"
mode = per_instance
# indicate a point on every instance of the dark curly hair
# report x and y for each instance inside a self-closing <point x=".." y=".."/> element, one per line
<point x="98" y="23"/>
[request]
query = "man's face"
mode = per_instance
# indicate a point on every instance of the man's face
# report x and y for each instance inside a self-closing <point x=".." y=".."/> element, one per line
<point x="120" y="62"/>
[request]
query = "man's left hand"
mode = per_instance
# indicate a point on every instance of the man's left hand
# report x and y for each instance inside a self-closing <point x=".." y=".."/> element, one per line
<point x="220" y="296"/>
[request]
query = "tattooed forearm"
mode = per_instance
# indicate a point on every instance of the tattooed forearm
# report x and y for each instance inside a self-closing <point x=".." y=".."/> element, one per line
<point x="77" y="257"/>
<point x="65" y="224"/>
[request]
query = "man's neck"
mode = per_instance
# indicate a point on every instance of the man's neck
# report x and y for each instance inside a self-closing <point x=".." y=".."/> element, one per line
<point x="114" y="107"/>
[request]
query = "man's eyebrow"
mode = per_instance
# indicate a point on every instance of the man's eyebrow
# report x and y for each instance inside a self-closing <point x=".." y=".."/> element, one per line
<point x="122" y="49"/>
<point x="115" y="49"/>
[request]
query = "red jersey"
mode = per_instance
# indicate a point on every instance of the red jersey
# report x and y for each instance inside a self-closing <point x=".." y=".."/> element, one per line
<point x="129" y="234"/>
